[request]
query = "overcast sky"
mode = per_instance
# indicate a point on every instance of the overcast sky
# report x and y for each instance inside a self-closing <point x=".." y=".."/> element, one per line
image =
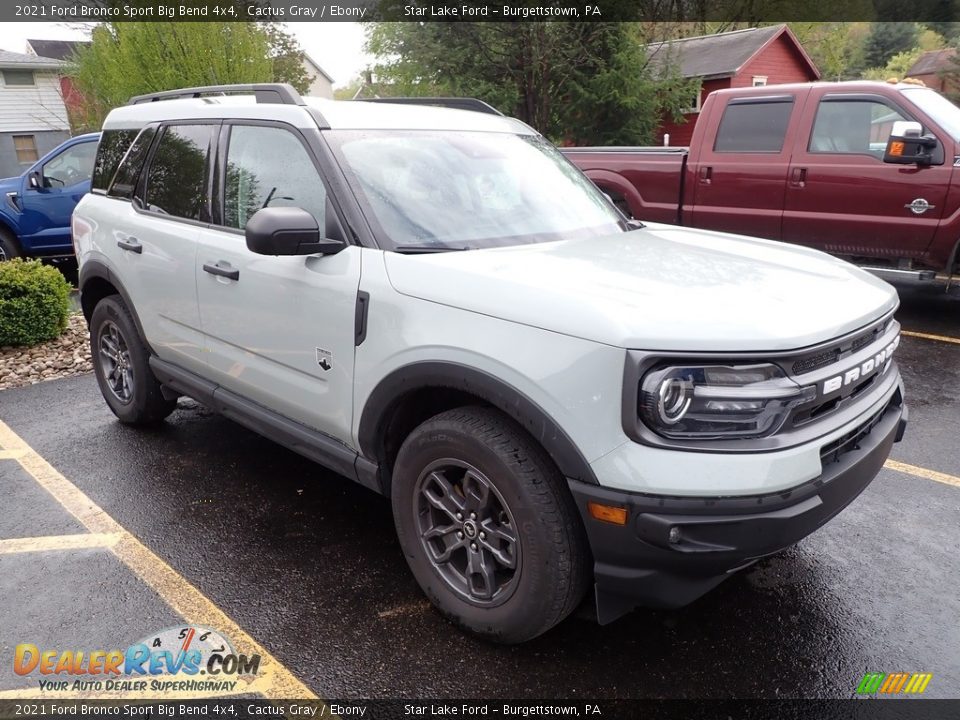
<point x="336" y="46"/>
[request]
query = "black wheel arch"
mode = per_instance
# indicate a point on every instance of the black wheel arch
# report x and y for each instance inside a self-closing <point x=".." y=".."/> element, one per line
<point x="464" y="385"/>
<point x="97" y="282"/>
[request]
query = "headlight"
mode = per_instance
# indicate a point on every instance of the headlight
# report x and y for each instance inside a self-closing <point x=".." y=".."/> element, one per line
<point x="718" y="401"/>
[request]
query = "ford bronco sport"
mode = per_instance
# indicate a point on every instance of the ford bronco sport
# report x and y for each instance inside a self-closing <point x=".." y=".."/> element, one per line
<point x="436" y="304"/>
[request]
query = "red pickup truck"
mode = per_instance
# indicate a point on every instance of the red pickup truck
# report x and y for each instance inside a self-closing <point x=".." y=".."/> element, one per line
<point x="862" y="170"/>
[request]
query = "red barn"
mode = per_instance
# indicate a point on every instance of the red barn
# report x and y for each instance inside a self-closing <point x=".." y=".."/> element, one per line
<point x="932" y="69"/>
<point x="742" y="58"/>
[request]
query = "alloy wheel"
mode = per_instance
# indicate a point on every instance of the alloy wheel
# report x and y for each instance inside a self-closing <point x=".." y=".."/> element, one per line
<point x="115" y="362"/>
<point x="468" y="532"/>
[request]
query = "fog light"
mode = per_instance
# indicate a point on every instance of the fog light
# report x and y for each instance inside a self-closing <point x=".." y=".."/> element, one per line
<point x="608" y="513"/>
<point x="674" y="536"/>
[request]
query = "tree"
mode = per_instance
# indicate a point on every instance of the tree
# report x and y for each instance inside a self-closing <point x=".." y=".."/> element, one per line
<point x="131" y="58"/>
<point x="886" y="39"/>
<point x="575" y="82"/>
<point x="287" y="57"/>
<point x="836" y="48"/>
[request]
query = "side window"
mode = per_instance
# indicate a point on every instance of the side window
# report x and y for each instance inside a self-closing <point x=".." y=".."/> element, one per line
<point x="125" y="180"/>
<point x="176" y="178"/>
<point x="74" y="165"/>
<point x="853" y="126"/>
<point x="113" y="146"/>
<point x="269" y="167"/>
<point x="758" y="127"/>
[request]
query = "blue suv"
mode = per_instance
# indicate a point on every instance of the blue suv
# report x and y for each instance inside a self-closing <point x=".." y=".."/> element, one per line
<point x="36" y="207"/>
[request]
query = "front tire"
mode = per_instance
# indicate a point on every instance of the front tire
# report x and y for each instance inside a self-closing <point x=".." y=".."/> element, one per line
<point x="487" y="525"/>
<point x="9" y="249"/>
<point x="121" y="364"/>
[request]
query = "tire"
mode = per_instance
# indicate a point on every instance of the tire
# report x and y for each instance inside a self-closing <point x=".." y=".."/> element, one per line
<point x="447" y="465"/>
<point x="9" y="248"/>
<point x="121" y="364"/>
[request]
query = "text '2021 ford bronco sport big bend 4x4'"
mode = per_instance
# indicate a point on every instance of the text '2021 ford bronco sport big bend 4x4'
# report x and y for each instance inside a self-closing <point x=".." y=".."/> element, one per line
<point x="436" y="304"/>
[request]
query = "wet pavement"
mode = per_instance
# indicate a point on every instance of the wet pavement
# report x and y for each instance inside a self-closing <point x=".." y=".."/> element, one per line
<point x="307" y="563"/>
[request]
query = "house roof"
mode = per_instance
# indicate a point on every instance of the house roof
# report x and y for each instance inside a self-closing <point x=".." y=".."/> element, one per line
<point x="21" y="61"/>
<point x="56" y="49"/>
<point x="932" y="61"/>
<point x="721" y="55"/>
<point x="316" y="67"/>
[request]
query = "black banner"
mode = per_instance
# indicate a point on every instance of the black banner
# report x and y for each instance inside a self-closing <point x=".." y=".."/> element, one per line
<point x="745" y="11"/>
<point x="238" y="708"/>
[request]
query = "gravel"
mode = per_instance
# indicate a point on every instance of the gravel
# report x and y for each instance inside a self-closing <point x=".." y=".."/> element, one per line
<point x="66" y="356"/>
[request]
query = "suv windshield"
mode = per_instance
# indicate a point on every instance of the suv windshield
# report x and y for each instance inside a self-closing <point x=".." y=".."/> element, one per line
<point x="456" y="190"/>
<point x="943" y="112"/>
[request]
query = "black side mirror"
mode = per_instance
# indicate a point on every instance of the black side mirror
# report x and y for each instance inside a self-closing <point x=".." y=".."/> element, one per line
<point x="907" y="146"/>
<point x="288" y="231"/>
<point x="34" y="180"/>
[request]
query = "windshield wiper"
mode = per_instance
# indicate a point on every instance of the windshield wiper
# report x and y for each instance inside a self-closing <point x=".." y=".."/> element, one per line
<point x="425" y="249"/>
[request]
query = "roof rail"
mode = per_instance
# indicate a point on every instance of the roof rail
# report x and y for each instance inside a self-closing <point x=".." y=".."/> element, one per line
<point x="266" y="93"/>
<point x="456" y="103"/>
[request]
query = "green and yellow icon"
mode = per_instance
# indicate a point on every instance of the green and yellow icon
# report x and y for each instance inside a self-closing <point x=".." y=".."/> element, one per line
<point x="894" y="683"/>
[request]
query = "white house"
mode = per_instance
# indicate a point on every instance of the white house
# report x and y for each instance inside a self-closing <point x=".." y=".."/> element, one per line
<point x="322" y="84"/>
<point x="33" y="117"/>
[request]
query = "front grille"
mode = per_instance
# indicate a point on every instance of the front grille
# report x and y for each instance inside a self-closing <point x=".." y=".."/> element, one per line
<point x="824" y="357"/>
<point x="832" y="452"/>
<point x="816" y="362"/>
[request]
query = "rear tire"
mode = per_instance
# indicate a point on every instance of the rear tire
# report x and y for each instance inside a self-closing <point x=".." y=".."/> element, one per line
<point x="488" y="526"/>
<point x="121" y="364"/>
<point x="9" y="248"/>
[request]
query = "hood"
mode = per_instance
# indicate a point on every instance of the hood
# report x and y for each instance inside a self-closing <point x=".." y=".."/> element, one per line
<point x="10" y="184"/>
<point x="658" y="288"/>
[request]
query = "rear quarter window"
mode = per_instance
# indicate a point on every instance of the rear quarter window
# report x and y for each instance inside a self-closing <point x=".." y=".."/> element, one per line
<point x="758" y="127"/>
<point x="125" y="179"/>
<point x="113" y="146"/>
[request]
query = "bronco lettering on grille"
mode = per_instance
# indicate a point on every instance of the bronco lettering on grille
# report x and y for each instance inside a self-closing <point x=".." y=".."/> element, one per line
<point x="861" y="371"/>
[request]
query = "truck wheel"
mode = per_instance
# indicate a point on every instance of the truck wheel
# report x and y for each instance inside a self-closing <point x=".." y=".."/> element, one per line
<point x="121" y="364"/>
<point x="9" y="249"/>
<point x="488" y="526"/>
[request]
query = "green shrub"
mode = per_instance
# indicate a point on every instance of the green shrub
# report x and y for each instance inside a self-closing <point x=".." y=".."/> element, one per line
<point x="34" y="302"/>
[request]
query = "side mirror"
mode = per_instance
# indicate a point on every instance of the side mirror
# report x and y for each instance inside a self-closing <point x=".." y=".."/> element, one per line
<point x="288" y="231"/>
<point x="906" y="145"/>
<point x="34" y="180"/>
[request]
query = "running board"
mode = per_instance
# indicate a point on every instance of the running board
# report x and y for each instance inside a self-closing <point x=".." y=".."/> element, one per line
<point x="894" y="274"/>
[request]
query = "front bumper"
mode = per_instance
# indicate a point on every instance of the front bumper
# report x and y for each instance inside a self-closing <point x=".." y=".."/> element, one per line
<point x="672" y="550"/>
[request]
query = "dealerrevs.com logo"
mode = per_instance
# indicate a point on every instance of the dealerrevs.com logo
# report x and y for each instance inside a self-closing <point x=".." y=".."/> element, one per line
<point x="185" y="659"/>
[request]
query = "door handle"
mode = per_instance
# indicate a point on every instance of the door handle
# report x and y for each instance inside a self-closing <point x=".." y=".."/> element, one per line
<point x="227" y="272"/>
<point x="798" y="177"/>
<point x="131" y="244"/>
<point x="706" y="175"/>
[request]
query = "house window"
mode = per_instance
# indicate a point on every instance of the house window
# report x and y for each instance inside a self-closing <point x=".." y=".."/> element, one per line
<point x="22" y="78"/>
<point x="694" y="106"/>
<point x="759" y="80"/>
<point x="26" y="147"/>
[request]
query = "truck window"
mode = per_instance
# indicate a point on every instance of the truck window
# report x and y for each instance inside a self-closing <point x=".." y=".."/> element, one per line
<point x="74" y="165"/>
<point x="113" y="146"/>
<point x="176" y="178"/>
<point x="853" y="126"/>
<point x="758" y="126"/>
<point x="125" y="179"/>
<point x="269" y="167"/>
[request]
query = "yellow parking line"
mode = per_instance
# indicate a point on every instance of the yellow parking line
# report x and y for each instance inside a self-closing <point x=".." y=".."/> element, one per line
<point x="58" y="542"/>
<point x="275" y="680"/>
<point x="922" y="473"/>
<point x="928" y="336"/>
<point x="9" y="455"/>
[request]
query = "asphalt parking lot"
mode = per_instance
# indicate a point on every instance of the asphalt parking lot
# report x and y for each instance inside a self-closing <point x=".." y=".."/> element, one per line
<point x="201" y="522"/>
